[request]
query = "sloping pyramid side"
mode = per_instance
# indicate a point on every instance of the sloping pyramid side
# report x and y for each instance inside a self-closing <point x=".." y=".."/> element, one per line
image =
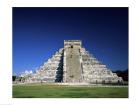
<point x="50" y="71"/>
<point x="94" y="71"/>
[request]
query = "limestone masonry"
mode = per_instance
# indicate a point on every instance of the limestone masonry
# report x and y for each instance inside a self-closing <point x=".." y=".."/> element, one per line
<point x="73" y="64"/>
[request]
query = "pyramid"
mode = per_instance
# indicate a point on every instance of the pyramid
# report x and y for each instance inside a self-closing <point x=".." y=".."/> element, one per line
<point x="73" y="64"/>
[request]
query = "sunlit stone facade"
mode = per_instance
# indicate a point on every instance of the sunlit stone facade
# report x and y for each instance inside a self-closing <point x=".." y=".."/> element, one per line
<point x="73" y="64"/>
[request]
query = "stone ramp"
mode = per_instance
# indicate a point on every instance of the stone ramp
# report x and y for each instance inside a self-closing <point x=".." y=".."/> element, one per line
<point x="73" y="65"/>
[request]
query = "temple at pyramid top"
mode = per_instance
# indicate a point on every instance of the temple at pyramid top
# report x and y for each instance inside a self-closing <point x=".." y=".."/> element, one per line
<point x="73" y="64"/>
<point x="72" y="43"/>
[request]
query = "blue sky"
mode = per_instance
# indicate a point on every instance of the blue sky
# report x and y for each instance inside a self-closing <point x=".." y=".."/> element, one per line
<point x="39" y="32"/>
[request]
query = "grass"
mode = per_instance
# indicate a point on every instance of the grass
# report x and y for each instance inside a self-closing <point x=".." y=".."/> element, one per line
<point x="57" y="91"/>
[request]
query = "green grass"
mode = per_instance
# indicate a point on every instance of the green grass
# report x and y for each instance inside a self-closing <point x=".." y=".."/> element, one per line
<point x="55" y="91"/>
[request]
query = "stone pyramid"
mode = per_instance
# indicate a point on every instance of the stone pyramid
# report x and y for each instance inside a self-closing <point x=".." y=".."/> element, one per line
<point x="73" y="64"/>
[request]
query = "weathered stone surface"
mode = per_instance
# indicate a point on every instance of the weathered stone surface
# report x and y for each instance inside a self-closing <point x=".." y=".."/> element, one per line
<point x="73" y="64"/>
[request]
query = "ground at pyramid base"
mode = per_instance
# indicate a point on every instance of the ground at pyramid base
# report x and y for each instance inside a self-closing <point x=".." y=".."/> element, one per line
<point x="72" y="64"/>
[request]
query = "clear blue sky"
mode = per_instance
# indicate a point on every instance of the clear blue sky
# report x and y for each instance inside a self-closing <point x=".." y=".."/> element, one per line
<point x="39" y="32"/>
